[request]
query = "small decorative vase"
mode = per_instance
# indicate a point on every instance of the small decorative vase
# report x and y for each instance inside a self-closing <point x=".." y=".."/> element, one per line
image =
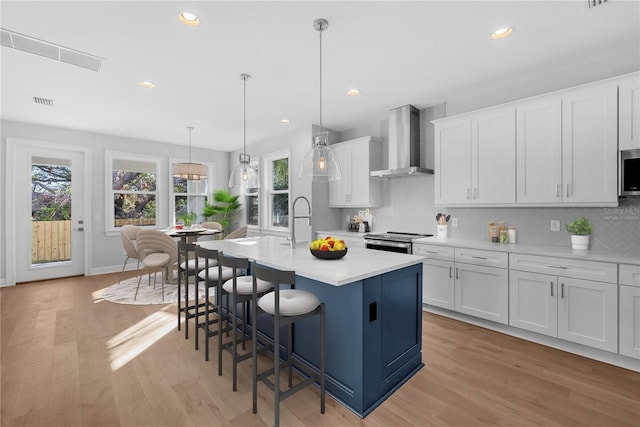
<point x="580" y="242"/>
<point x="441" y="231"/>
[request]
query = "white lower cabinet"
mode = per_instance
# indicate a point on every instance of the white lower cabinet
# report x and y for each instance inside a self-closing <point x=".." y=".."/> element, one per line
<point x="482" y="292"/>
<point x="572" y="308"/>
<point x="473" y="282"/>
<point x="629" y="310"/>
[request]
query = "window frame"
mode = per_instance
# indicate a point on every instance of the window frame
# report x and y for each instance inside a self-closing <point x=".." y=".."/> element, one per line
<point x="206" y="194"/>
<point x="269" y="192"/>
<point x="161" y="208"/>
<point x="255" y="163"/>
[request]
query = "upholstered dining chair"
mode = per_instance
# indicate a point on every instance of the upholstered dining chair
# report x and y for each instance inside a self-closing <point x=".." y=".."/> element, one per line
<point x="129" y="234"/>
<point x="157" y="250"/>
<point x="210" y="225"/>
<point x="238" y="233"/>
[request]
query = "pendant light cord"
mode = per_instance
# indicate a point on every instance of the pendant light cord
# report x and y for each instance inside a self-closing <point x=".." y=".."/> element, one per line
<point x="321" y="29"/>
<point x="190" y="129"/>
<point x="244" y="114"/>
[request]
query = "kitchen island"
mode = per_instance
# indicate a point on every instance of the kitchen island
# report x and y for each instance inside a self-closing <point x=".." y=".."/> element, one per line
<point x="373" y="305"/>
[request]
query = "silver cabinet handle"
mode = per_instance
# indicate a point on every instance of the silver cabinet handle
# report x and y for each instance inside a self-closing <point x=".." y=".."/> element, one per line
<point x="475" y="193"/>
<point x="478" y="257"/>
<point x="551" y="283"/>
<point x="457" y="277"/>
<point x="562" y="290"/>
<point x="557" y="190"/>
<point x="563" y="267"/>
<point x="567" y="190"/>
<point x="450" y="268"/>
<point x="468" y="193"/>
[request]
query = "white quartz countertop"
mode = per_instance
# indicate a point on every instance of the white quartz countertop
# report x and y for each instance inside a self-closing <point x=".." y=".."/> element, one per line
<point x="357" y="264"/>
<point x="553" y="251"/>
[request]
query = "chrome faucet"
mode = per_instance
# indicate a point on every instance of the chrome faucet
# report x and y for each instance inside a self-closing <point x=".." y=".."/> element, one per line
<point x="293" y="222"/>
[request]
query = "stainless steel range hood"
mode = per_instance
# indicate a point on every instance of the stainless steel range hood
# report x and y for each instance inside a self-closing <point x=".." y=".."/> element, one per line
<point x="404" y="144"/>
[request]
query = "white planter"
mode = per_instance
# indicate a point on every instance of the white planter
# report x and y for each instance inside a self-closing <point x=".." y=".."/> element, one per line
<point x="442" y="232"/>
<point x="580" y="242"/>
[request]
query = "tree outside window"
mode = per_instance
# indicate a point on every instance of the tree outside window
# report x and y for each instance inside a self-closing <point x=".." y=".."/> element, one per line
<point x="133" y="188"/>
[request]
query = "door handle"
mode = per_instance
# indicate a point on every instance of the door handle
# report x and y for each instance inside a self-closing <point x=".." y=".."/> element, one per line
<point x="79" y="229"/>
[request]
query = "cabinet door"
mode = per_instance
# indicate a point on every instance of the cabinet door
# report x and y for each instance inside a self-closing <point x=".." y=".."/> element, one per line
<point x="493" y="156"/>
<point x="533" y="303"/>
<point x="438" y="283"/>
<point x="453" y="162"/>
<point x="340" y="191"/>
<point x="589" y="149"/>
<point x="629" y="112"/>
<point x="482" y="292"/>
<point x="588" y="313"/>
<point x="539" y="151"/>
<point x="630" y="321"/>
<point x="360" y="178"/>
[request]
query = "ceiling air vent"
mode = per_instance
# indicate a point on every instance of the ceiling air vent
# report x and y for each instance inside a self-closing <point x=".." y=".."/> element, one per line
<point x="594" y="3"/>
<point x="49" y="50"/>
<point x="43" y="101"/>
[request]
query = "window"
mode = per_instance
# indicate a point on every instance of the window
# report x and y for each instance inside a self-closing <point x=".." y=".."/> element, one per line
<point x="252" y="202"/>
<point x="188" y="196"/>
<point x="133" y="191"/>
<point x="278" y="190"/>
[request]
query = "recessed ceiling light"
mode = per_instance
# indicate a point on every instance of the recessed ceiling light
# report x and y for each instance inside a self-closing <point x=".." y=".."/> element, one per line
<point x="146" y="84"/>
<point x="501" y="33"/>
<point x="353" y="92"/>
<point x="188" y="18"/>
<point x="284" y="120"/>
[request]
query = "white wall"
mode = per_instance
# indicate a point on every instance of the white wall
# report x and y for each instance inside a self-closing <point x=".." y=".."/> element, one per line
<point x="105" y="251"/>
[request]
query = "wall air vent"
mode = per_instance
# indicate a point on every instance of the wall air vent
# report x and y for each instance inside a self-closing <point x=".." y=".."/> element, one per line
<point x="49" y="50"/>
<point x="594" y="3"/>
<point x="43" y="101"/>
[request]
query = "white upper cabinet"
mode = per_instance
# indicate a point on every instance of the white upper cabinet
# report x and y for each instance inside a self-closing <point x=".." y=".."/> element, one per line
<point x="557" y="149"/>
<point x="475" y="158"/>
<point x="629" y="112"/>
<point x="453" y="161"/>
<point x="357" y="157"/>
<point x="589" y="144"/>
<point x="539" y="148"/>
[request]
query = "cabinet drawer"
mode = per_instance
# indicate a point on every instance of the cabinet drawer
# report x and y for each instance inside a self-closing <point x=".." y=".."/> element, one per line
<point x="565" y="267"/>
<point x="629" y="275"/>
<point x="482" y="257"/>
<point x="433" y="251"/>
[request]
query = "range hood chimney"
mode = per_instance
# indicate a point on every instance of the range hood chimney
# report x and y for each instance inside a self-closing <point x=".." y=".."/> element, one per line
<point x="404" y="144"/>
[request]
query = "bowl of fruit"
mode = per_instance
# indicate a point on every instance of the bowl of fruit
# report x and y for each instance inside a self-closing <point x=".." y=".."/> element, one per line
<point x="328" y="248"/>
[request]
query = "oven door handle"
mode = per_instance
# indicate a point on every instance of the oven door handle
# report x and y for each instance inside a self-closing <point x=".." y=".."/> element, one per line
<point x="387" y="243"/>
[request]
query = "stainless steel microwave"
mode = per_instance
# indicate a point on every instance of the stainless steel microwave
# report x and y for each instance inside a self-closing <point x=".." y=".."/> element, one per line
<point x="630" y="173"/>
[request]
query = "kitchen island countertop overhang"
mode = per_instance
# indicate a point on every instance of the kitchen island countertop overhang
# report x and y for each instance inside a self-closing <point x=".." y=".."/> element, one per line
<point x="373" y="307"/>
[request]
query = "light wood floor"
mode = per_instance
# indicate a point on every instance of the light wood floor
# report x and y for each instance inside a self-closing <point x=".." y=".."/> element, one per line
<point x="69" y="358"/>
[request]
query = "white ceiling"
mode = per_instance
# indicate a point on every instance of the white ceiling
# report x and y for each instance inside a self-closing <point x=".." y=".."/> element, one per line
<point x="417" y="52"/>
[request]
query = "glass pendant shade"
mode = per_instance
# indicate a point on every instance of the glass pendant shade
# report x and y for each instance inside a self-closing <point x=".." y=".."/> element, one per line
<point x="190" y="171"/>
<point x="244" y="176"/>
<point x="320" y="163"/>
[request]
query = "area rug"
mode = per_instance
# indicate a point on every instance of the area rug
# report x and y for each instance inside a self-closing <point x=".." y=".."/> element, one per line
<point x="123" y="292"/>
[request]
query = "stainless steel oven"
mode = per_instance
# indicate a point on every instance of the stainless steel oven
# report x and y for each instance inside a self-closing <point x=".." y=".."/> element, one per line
<point x="392" y="241"/>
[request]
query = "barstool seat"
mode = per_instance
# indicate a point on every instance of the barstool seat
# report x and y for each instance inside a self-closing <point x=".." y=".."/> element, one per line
<point x="293" y="302"/>
<point x="244" y="285"/>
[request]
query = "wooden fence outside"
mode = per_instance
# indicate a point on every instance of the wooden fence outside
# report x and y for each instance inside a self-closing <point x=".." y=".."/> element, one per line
<point x="50" y="241"/>
<point x="135" y="221"/>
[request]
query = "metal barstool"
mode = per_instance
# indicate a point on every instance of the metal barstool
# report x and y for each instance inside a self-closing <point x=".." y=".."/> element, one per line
<point x="188" y="268"/>
<point x="286" y="306"/>
<point x="240" y="288"/>
<point x="213" y="276"/>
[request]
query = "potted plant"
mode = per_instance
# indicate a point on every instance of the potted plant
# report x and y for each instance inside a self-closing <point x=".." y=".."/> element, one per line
<point x="224" y="209"/>
<point x="188" y="218"/>
<point x="580" y="230"/>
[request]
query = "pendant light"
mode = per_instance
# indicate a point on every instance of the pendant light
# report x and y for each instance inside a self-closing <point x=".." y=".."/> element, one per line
<point x="190" y="171"/>
<point x="244" y="175"/>
<point x="320" y="163"/>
